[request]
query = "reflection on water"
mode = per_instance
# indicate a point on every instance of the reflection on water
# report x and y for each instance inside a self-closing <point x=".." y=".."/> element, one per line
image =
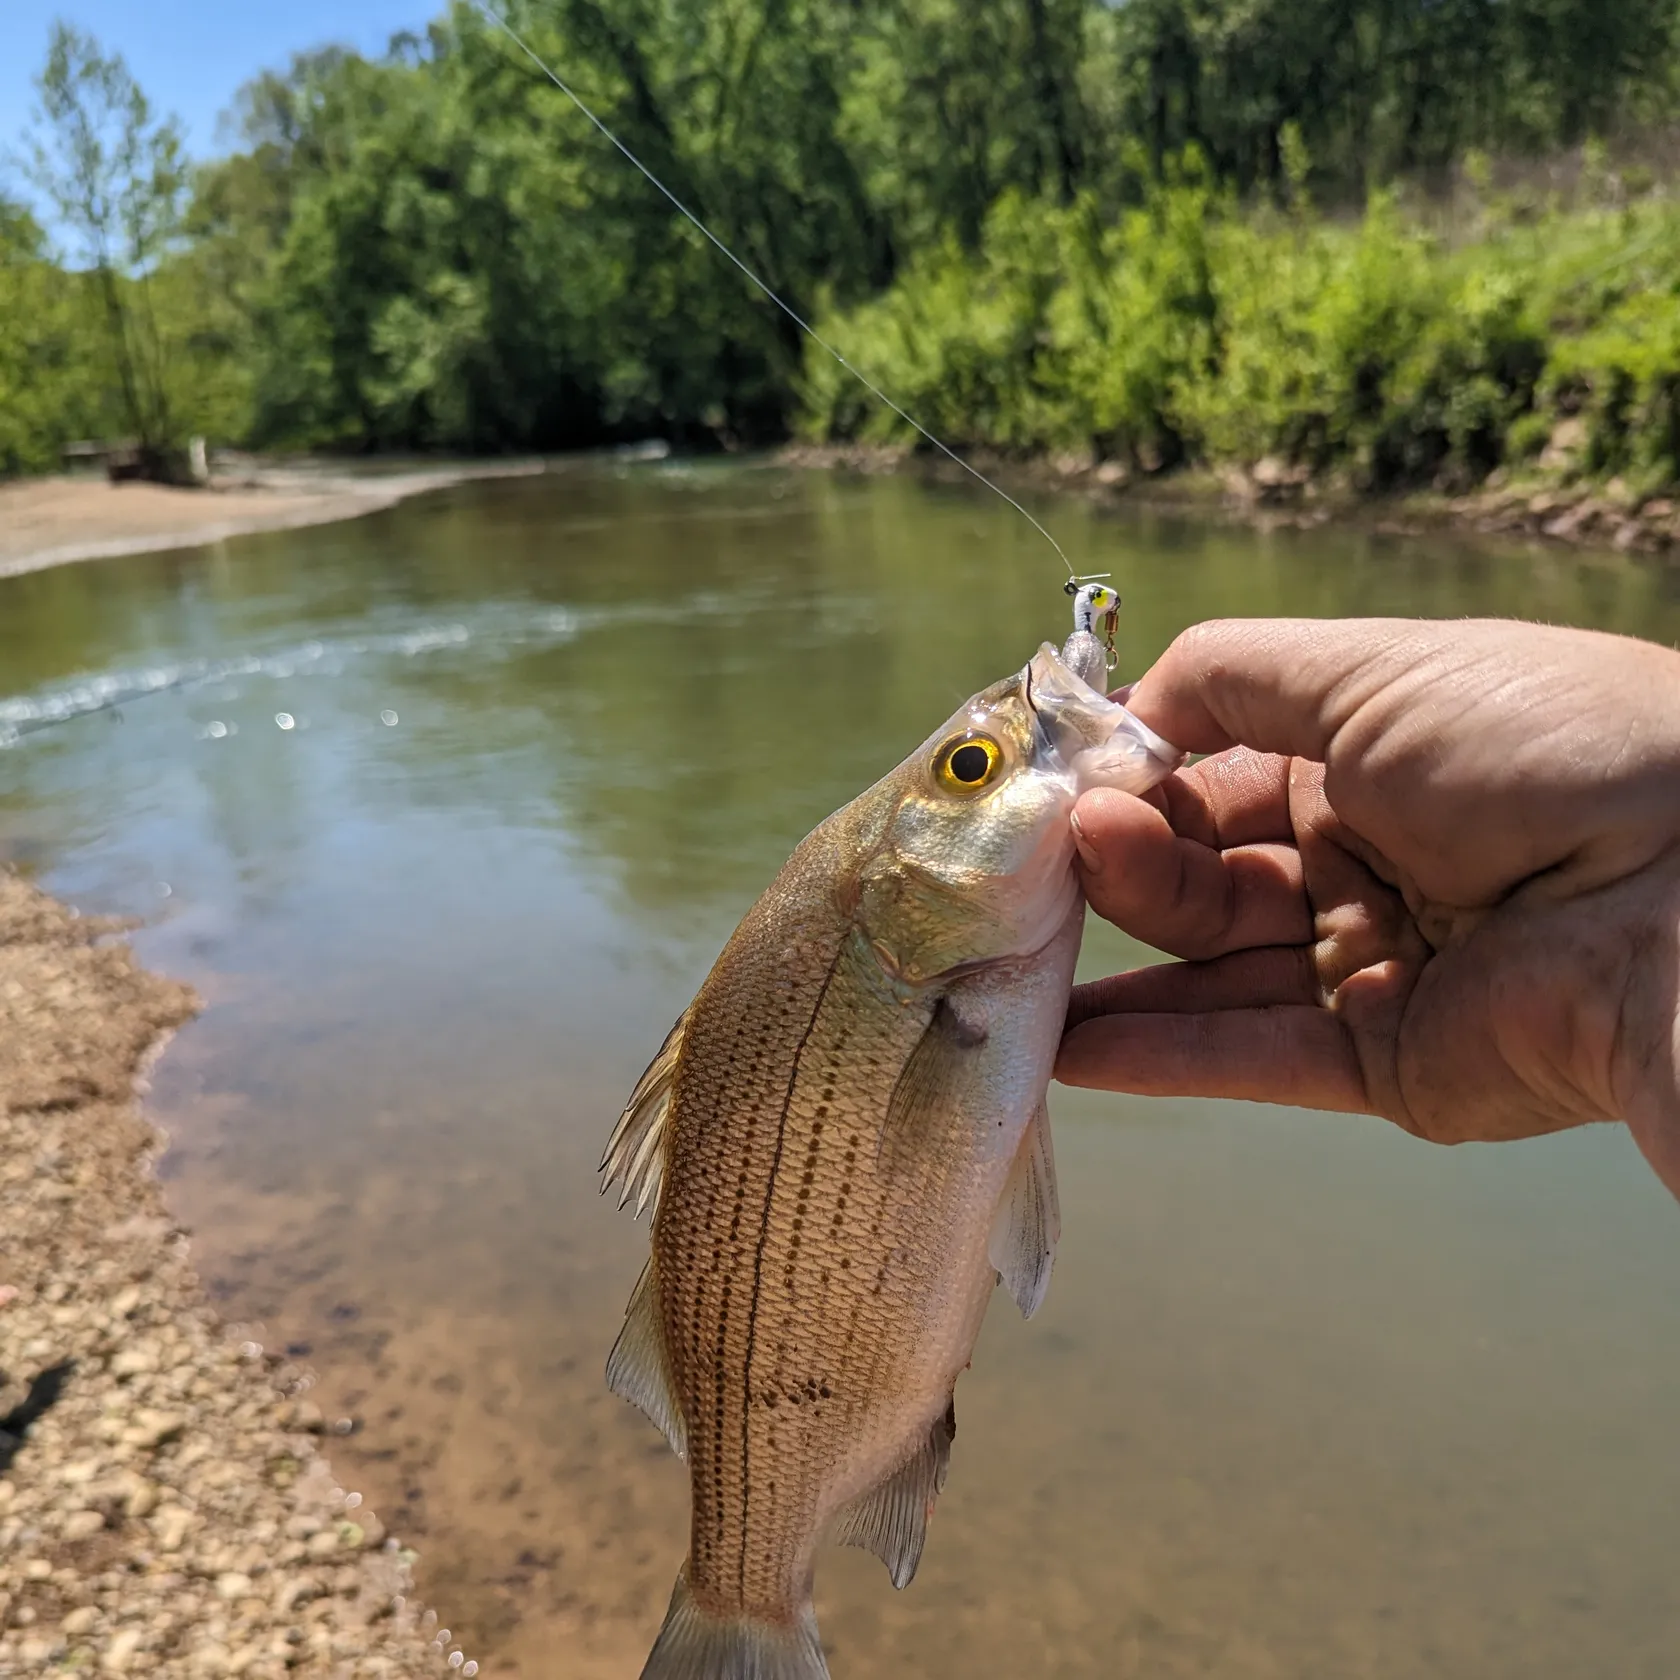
<point x="1308" y="1399"/>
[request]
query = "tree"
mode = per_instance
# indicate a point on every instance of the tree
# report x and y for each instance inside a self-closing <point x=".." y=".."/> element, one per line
<point x="117" y="178"/>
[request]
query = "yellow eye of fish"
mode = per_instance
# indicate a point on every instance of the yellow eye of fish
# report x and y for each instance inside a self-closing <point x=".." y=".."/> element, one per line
<point x="968" y="763"/>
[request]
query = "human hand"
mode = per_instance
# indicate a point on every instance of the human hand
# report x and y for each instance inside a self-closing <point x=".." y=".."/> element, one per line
<point x="1432" y="872"/>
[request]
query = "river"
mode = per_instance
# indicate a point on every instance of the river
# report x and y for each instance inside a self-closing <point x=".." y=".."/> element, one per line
<point x="446" y="811"/>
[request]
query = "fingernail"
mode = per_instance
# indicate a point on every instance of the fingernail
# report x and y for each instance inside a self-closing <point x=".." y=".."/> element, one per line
<point x="1087" y="852"/>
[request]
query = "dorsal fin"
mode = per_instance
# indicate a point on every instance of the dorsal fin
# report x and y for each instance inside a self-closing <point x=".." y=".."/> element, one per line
<point x="1028" y="1224"/>
<point x="634" y="1159"/>
<point x="637" y="1369"/>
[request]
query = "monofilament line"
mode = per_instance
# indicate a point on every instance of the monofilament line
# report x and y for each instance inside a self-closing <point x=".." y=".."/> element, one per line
<point x="786" y="308"/>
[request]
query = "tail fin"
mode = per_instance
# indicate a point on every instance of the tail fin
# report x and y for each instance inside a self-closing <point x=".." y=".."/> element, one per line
<point x="695" y="1646"/>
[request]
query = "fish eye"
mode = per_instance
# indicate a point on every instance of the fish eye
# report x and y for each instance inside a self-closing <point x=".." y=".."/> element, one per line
<point x="968" y="762"/>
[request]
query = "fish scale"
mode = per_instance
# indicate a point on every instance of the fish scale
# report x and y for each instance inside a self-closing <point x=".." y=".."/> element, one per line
<point x="846" y="1146"/>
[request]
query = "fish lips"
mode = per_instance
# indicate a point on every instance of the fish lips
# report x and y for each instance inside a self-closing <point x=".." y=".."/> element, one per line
<point x="1088" y="739"/>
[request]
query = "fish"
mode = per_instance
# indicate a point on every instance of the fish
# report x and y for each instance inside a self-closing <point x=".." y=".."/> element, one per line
<point x="846" y="1148"/>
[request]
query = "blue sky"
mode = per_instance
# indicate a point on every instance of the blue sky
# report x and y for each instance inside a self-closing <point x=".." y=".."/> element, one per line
<point x="190" y="55"/>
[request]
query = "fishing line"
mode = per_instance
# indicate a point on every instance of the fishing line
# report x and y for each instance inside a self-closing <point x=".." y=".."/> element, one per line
<point x="786" y="308"/>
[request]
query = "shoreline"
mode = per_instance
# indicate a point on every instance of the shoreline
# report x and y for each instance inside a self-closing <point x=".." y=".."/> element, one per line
<point x="165" y="1505"/>
<point x="1272" y="496"/>
<point x="61" y="520"/>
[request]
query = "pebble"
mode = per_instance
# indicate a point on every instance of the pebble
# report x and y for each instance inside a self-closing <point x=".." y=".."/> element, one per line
<point x="134" y="1362"/>
<point x="120" y="1652"/>
<point x="172" y="1514"/>
<point x="170" y="1525"/>
<point x="152" y="1429"/>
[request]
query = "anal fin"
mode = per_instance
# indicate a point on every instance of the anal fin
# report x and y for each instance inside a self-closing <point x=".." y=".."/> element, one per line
<point x="1028" y="1224"/>
<point x="891" y="1520"/>
<point x="637" y="1369"/>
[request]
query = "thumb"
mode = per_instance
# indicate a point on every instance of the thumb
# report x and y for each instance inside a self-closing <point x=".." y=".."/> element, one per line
<point x="1278" y="685"/>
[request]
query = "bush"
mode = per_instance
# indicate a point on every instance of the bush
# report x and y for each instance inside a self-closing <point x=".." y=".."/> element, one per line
<point x="1190" y="330"/>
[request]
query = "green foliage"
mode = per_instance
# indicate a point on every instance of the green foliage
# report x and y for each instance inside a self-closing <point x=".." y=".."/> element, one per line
<point x="1190" y="329"/>
<point x="117" y="179"/>
<point x="1039" y="224"/>
<point x="50" y="378"/>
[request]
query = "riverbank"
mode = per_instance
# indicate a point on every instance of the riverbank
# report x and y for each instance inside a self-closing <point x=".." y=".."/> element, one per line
<point x="165" y="1508"/>
<point x="1271" y="495"/>
<point x="54" y="521"/>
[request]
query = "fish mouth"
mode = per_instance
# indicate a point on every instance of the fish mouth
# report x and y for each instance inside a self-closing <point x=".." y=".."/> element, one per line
<point x="1090" y="739"/>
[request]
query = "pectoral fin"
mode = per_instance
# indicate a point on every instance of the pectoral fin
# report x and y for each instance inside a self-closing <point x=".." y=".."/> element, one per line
<point x="891" y="1520"/>
<point x="919" y="1111"/>
<point x="1029" y="1219"/>
<point x="634" y="1158"/>
<point x="637" y="1369"/>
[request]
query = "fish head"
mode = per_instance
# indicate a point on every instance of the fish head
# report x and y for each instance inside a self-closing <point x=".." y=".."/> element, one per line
<point x="973" y="863"/>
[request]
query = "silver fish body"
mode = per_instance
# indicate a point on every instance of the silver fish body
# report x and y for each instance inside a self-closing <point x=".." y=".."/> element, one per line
<point x="846" y="1145"/>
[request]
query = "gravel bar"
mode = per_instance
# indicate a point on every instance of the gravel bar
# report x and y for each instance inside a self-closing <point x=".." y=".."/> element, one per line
<point x="165" y="1506"/>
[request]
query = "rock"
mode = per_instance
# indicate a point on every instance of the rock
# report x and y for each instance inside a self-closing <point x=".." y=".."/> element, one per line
<point x="80" y="1525"/>
<point x="1659" y="507"/>
<point x="1627" y="535"/>
<point x="295" y="1590"/>
<point x="170" y="1525"/>
<point x="152" y="1429"/>
<point x="1112" y="474"/>
<point x="1565" y="446"/>
<point x="80" y="1621"/>
<point x="1275" y="480"/>
<point x="324" y="1544"/>
<point x="119" y="1654"/>
<point x="1575" y="521"/>
<point x="208" y="1658"/>
<point x="232" y="1585"/>
<point x="137" y="1361"/>
<point x="305" y="1416"/>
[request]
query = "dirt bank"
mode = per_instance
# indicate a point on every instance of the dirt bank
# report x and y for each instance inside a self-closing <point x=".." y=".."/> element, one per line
<point x="164" y="1506"/>
<point x="1273" y="494"/>
<point x="51" y="521"/>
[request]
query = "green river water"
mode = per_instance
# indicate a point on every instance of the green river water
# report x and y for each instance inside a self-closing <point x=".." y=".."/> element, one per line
<point x="448" y="810"/>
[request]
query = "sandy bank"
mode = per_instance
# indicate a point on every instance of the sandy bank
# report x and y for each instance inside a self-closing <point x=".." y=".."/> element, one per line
<point x="52" y="521"/>
<point x="164" y="1507"/>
